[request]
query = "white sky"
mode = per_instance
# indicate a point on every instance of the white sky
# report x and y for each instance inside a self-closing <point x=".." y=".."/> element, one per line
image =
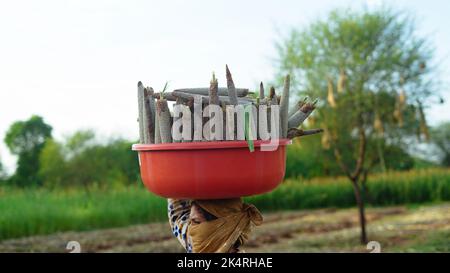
<point x="77" y="63"/>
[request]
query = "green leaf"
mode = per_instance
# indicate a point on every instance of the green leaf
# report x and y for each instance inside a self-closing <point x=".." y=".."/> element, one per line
<point x="248" y="131"/>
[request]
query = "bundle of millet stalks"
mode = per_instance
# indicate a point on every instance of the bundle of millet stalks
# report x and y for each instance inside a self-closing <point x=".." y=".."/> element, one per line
<point x="256" y="116"/>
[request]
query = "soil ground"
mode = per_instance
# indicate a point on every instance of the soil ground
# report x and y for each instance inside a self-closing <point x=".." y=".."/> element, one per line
<point x="397" y="229"/>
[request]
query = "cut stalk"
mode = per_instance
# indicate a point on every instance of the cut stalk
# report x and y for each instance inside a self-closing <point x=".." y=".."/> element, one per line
<point x="294" y="132"/>
<point x="261" y="91"/>
<point x="213" y="99"/>
<point x="140" y="94"/>
<point x="297" y="106"/>
<point x="164" y="117"/>
<point x="197" y="117"/>
<point x="230" y="124"/>
<point x="231" y="88"/>
<point x="177" y="136"/>
<point x="284" y="107"/>
<point x="273" y="96"/>
<point x="224" y="115"/>
<point x="187" y="124"/>
<point x="164" y="121"/>
<point x="167" y="95"/>
<point x="213" y="91"/>
<point x="149" y="115"/>
<point x="157" y="130"/>
<point x="301" y="115"/>
<point x="221" y="91"/>
<point x="151" y="102"/>
<point x="205" y="99"/>
<point x="263" y="118"/>
<point x="271" y="100"/>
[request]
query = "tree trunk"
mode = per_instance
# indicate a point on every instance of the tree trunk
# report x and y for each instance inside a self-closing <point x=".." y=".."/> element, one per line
<point x="362" y="217"/>
<point x="367" y="198"/>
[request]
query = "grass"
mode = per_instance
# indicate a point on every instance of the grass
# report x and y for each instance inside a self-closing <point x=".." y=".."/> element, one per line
<point x="26" y="212"/>
<point x="438" y="241"/>
<point x="425" y="228"/>
<point x="29" y="212"/>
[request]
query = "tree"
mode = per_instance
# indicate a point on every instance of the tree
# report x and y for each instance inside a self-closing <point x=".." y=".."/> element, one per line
<point x="373" y="76"/>
<point x="2" y="172"/>
<point x="81" y="160"/>
<point x="307" y="159"/>
<point x="440" y="137"/>
<point x="26" y="140"/>
<point x="53" y="165"/>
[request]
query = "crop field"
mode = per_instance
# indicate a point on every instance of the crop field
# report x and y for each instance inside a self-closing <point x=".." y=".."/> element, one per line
<point x="31" y="212"/>
<point x="396" y="229"/>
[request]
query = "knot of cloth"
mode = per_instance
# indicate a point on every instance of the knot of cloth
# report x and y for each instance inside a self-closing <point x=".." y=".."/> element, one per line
<point x="233" y="225"/>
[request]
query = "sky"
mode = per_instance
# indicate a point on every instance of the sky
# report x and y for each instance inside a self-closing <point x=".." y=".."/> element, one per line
<point x="77" y="63"/>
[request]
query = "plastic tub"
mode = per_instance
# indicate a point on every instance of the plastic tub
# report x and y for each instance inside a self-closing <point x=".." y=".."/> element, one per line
<point x="211" y="170"/>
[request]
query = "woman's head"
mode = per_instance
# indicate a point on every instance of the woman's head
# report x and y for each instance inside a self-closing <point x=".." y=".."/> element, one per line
<point x="221" y="225"/>
<point x="199" y="215"/>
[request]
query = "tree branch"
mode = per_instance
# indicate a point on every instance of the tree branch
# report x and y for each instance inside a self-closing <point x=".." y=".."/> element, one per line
<point x="344" y="168"/>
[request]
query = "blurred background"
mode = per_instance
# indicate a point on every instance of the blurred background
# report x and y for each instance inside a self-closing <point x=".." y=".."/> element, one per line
<point x="379" y="172"/>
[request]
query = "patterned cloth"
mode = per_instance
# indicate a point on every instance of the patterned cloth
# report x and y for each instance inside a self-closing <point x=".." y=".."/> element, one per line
<point x="179" y="210"/>
<point x="229" y="230"/>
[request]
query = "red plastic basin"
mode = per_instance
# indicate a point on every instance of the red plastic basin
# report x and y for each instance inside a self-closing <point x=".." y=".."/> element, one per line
<point x="211" y="170"/>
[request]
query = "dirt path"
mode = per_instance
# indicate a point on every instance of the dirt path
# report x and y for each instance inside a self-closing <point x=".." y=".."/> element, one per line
<point x="327" y="230"/>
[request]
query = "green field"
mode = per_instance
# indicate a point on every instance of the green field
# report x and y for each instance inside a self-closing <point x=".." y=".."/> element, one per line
<point x="418" y="228"/>
<point x="26" y="212"/>
<point x="395" y="188"/>
<point x="30" y="212"/>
